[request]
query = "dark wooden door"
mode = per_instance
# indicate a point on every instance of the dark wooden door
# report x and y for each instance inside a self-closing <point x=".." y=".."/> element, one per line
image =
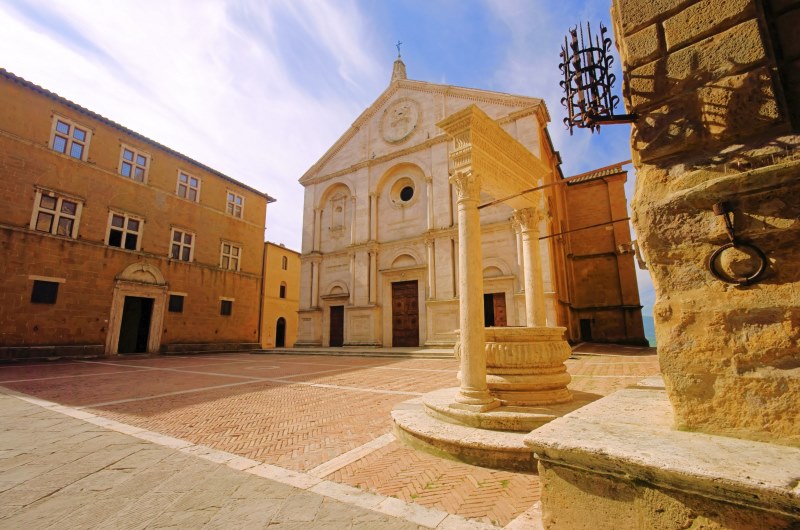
<point x="499" y="306"/>
<point x="405" y="314"/>
<point x="280" y="333"/>
<point x="494" y="309"/>
<point x="134" y="330"/>
<point x="586" y="329"/>
<point x="337" y="325"/>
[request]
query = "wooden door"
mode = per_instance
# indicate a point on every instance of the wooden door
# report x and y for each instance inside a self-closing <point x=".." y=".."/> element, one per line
<point x="337" y="326"/>
<point x="499" y="306"/>
<point x="494" y="309"/>
<point x="405" y="314"/>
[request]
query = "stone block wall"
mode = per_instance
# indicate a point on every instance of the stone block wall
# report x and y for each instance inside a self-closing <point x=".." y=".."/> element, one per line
<point x="715" y="85"/>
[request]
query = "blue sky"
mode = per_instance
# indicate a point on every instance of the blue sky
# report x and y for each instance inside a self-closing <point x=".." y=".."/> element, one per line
<point x="259" y="89"/>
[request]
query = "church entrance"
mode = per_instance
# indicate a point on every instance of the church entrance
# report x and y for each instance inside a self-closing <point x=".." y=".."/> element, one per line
<point x="405" y="314"/>
<point x="337" y="326"/>
<point x="494" y="310"/>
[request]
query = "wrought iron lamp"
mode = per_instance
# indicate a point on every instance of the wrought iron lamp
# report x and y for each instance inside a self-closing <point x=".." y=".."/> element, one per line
<point x="588" y="81"/>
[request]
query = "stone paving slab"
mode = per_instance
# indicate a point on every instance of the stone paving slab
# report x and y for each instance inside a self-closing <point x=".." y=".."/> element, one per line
<point x="310" y="423"/>
<point x="127" y="482"/>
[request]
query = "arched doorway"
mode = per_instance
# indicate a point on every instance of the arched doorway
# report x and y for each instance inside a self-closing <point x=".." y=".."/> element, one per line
<point x="137" y="310"/>
<point x="280" y="333"/>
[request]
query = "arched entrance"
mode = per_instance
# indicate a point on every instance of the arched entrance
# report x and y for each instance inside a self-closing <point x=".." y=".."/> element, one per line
<point x="137" y="310"/>
<point x="280" y="333"/>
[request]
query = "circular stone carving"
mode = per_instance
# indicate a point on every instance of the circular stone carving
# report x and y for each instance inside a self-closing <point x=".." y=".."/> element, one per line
<point x="400" y="120"/>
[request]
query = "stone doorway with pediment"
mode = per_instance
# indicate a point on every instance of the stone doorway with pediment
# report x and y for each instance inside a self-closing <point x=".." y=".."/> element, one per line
<point x="137" y="310"/>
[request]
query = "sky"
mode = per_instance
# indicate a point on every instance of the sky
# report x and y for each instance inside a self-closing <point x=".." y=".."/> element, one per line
<point x="260" y="89"/>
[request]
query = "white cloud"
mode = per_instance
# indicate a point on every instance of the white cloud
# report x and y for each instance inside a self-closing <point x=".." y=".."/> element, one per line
<point x="205" y="78"/>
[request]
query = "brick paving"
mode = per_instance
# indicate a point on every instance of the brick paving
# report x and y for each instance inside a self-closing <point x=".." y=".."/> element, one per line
<point x="300" y="412"/>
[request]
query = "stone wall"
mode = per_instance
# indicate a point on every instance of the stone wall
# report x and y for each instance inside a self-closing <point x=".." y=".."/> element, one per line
<point x="709" y="81"/>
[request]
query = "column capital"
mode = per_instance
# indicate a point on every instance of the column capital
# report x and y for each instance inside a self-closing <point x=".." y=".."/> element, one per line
<point x="527" y="218"/>
<point x="467" y="184"/>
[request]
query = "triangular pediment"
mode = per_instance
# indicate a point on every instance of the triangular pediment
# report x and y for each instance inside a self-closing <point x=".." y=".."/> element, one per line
<point x="405" y="115"/>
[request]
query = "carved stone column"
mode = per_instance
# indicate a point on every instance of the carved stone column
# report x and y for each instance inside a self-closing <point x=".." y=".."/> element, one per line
<point x="317" y="228"/>
<point x="535" y="312"/>
<point x="429" y="189"/>
<point x="373" y="216"/>
<point x="353" y="220"/>
<point x="520" y="260"/>
<point x="429" y="246"/>
<point x="315" y="263"/>
<point x="473" y="393"/>
<point x="373" y="276"/>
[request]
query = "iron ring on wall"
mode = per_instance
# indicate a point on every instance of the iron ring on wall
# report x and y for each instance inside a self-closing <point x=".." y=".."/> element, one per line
<point x="713" y="264"/>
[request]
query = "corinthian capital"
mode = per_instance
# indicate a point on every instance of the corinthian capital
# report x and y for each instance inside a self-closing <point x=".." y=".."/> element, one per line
<point x="527" y="218"/>
<point x="467" y="184"/>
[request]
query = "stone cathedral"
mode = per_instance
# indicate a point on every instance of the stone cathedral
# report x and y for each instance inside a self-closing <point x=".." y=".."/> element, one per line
<point x="379" y="263"/>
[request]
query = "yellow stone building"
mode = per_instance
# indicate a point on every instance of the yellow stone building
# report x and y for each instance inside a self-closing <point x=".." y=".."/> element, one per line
<point x="281" y="296"/>
<point x="113" y="243"/>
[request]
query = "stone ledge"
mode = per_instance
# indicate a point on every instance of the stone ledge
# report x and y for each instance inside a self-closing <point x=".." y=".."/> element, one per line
<point x="629" y="436"/>
<point x="493" y="449"/>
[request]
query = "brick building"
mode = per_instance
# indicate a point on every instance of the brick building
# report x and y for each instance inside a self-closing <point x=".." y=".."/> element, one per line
<point x="281" y="296"/>
<point x="113" y="243"/>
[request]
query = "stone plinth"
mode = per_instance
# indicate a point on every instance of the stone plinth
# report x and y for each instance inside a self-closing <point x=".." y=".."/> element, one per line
<point x="618" y="463"/>
<point x="525" y="366"/>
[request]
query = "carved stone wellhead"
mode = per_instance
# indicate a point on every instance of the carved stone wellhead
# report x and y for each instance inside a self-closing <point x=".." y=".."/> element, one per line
<point x="525" y="366"/>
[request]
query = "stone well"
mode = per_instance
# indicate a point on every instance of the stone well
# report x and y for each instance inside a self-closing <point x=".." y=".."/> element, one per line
<point x="525" y="366"/>
<point x="526" y="373"/>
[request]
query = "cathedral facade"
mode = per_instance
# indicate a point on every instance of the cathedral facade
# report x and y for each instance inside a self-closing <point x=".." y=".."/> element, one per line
<point x="379" y="262"/>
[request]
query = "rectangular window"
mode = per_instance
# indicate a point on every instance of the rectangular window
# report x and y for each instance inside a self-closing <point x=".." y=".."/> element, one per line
<point x="181" y="245"/>
<point x="282" y="291"/>
<point x="188" y="187"/>
<point x="124" y="231"/>
<point x="226" y="307"/>
<point x="44" y="292"/>
<point x="69" y="138"/>
<point x="56" y="214"/>
<point x="230" y="256"/>
<point x="284" y="263"/>
<point x="133" y="164"/>
<point x="235" y="204"/>
<point x="176" y="303"/>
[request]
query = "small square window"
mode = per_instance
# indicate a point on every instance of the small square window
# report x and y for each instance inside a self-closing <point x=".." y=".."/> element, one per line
<point x="175" y="303"/>
<point x="188" y="187"/>
<point x="133" y="164"/>
<point x="182" y="245"/>
<point x="44" y="292"/>
<point x="124" y="231"/>
<point x="226" y="307"/>
<point x="67" y="138"/>
<point x="55" y="214"/>
<point x="235" y="204"/>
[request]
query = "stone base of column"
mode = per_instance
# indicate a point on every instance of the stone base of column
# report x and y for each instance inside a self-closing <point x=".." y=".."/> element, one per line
<point x="475" y="400"/>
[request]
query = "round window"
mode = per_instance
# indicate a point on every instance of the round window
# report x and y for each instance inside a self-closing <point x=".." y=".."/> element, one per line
<point x="406" y="193"/>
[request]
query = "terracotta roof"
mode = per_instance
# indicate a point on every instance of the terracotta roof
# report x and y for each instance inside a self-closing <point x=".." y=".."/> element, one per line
<point x="595" y="175"/>
<point x="83" y="110"/>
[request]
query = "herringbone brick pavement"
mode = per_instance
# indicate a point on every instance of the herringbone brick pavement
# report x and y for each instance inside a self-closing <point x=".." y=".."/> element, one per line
<point x="299" y="412"/>
<point x="399" y="471"/>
